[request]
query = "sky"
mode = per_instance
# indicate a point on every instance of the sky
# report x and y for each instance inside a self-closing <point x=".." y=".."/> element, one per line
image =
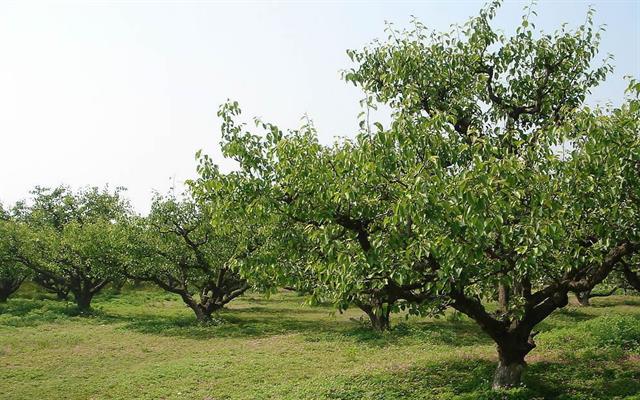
<point x="124" y="93"/>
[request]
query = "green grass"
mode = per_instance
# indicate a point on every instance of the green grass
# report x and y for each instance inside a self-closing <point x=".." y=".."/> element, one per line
<point x="145" y="344"/>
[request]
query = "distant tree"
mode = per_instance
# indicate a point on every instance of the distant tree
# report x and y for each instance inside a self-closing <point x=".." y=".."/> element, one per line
<point x="584" y="297"/>
<point x="12" y="271"/>
<point x="178" y="249"/>
<point x="78" y="241"/>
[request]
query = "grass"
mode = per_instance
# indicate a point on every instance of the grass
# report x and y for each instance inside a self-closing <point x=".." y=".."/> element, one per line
<point x="145" y="344"/>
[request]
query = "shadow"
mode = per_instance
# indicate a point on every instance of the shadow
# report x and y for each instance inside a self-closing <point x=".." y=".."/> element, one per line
<point x="570" y="314"/>
<point x="612" y="301"/>
<point x="435" y="332"/>
<point x="230" y="325"/>
<point x="277" y="311"/>
<point x="312" y="323"/>
<point x="19" y="312"/>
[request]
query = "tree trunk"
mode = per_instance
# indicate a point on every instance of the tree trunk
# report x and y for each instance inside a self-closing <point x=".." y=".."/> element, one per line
<point x="83" y="301"/>
<point x="380" y="322"/>
<point x="508" y="374"/>
<point x="503" y="297"/>
<point x="511" y="353"/>
<point x="632" y="277"/>
<point x="583" y="298"/>
<point x="378" y="315"/>
<point x="203" y="312"/>
<point x="8" y="287"/>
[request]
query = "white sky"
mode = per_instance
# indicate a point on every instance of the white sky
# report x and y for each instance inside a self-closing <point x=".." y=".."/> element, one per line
<point x="125" y="92"/>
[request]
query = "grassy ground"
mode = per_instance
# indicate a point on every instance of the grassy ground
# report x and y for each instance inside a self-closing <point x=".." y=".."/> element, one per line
<point x="146" y="345"/>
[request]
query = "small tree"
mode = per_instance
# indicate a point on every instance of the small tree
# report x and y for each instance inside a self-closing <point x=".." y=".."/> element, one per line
<point x="179" y="250"/>
<point x="77" y="240"/>
<point x="333" y="204"/>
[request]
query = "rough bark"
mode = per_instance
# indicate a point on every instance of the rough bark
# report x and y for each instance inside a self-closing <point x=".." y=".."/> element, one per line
<point x="203" y="311"/>
<point x="513" y="337"/>
<point x="211" y="301"/>
<point x="508" y="375"/>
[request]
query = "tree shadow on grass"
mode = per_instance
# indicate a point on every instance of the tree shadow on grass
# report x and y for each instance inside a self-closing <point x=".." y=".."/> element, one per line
<point x="471" y="379"/>
<point x="612" y="301"/>
<point x="247" y="322"/>
<point x="20" y="312"/>
<point x="229" y="325"/>
<point x="243" y="322"/>
<point x="435" y="332"/>
<point x="259" y="322"/>
<point x="281" y="310"/>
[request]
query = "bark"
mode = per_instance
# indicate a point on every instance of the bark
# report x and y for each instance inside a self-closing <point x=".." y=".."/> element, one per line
<point x="213" y="295"/>
<point x="503" y="297"/>
<point x="378" y="315"/>
<point x="583" y="298"/>
<point x="508" y="375"/>
<point x="83" y="300"/>
<point x="83" y="291"/>
<point x="512" y="350"/>
<point x="9" y="286"/>
<point x="633" y="278"/>
<point x="203" y="311"/>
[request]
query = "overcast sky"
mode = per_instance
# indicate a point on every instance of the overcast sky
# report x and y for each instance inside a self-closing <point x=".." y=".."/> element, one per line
<point x="124" y="93"/>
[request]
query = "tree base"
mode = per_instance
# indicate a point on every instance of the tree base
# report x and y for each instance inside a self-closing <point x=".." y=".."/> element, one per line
<point x="508" y="375"/>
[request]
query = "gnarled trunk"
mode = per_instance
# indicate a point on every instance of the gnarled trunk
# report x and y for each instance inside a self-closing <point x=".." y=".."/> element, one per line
<point x="202" y="315"/>
<point x="203" y="311"/>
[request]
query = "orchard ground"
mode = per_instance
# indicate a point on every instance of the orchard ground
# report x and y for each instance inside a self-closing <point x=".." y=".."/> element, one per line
<point x="145" y="344"/>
